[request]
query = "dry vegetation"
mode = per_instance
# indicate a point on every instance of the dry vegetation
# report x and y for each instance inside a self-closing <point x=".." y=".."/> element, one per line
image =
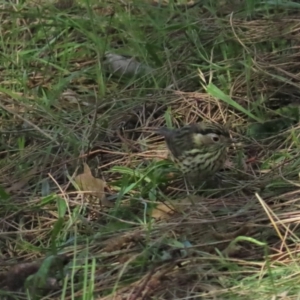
<point x="147" y="238"/>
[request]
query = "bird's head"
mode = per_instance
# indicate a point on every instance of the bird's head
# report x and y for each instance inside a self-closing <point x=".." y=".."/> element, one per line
<point x="209" y="134"/>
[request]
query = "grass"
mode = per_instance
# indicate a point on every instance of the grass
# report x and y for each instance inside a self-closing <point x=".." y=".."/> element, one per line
<point x="61" y="107"/>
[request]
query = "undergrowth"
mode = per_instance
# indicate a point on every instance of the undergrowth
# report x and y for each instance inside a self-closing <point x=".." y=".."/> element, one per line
<point x="75" y="120"/>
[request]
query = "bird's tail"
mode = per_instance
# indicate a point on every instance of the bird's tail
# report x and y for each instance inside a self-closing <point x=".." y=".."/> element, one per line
<point x="164" y="131"/>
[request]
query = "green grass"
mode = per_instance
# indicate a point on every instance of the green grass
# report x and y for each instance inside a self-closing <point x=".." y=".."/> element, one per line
<point x="60" y="107"/>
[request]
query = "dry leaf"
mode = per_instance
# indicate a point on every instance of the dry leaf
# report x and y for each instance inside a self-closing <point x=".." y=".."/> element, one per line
<point x="116" y="243"/>
<point x="92" y="186"/>
<point x="163" y="211"/>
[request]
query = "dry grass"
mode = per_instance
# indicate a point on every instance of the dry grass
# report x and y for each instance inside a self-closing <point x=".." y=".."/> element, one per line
<point x="59" y="109"/>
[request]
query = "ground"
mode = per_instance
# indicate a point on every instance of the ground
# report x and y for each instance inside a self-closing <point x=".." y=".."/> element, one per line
<point x="84" y="86"/>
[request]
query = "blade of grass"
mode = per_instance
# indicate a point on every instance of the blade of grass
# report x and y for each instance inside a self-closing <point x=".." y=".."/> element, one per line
<point x="217" y="93"/>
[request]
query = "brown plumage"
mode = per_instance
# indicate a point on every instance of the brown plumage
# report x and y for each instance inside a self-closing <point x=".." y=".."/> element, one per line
<point x="199" y="150"/>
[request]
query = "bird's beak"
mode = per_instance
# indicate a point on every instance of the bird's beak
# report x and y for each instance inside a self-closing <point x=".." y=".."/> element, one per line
<point x="235" y="142"/>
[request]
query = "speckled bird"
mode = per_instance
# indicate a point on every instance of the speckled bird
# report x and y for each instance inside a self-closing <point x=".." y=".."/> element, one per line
<point x="199" y="150"/>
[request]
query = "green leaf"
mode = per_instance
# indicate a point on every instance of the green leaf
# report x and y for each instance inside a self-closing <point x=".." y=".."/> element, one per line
<point x="217" y="93"/>
<point x="3" y="194"/>
<point x="61" y="207"/>
<point x="47" y="199"/>
<point x="56" y="230"/>
<point x="168" y="117"/>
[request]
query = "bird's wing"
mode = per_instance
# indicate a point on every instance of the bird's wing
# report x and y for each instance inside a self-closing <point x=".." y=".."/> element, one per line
<point x="177" y="140"/>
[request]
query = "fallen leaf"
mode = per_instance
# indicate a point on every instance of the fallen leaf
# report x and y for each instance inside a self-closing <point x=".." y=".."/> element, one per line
<point x="92" y="186"/>
<point x="163" y="211"/>
<point x="116" y="243"/>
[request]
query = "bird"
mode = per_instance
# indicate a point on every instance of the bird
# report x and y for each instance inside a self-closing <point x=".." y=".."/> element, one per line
<point x="199" y="149"/>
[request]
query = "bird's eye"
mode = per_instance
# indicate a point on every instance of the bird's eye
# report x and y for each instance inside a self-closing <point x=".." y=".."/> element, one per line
<point x="215" y="138"/>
